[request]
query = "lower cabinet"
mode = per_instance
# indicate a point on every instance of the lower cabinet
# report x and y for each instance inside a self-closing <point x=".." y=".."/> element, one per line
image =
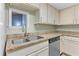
<point x="42" y="52"/>
<point x="38" y="49"/>
<point x="71" y="45"/>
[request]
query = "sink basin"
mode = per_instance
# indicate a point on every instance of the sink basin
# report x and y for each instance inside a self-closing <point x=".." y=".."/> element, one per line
<point x="34" y="37"/>
<point x="20" y="41"/>
<point x="39" y="37"/>
<point x="26" y="39"/>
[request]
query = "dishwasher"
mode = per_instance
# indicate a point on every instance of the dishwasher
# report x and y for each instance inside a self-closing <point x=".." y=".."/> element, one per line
<point x="54" y="46"/>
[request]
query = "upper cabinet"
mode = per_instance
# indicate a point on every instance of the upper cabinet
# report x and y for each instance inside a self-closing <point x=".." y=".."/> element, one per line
<point x="43" y="13"/>
<point x="56" y="22"/>
<point x="77" y="14"/>
<point x="67" y="16"/>
<point x="51" y="15"/>
<point x="48" y="15"/>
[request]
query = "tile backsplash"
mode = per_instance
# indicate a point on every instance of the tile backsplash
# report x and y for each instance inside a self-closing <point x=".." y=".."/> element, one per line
<point x="72" y="28"/>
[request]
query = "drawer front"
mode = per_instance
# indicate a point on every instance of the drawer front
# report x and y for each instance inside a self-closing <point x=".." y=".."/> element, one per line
<point x="42" y="52"/>
<point x="29" y="50"/>
<point x="71" y="38"/>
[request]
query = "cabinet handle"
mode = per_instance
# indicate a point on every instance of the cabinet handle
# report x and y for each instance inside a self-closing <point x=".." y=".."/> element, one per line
<point x="40" y="19"/>
<point x="54" y="21"/>
<point x="73" y="21"/>
<point x="76" y="21"/>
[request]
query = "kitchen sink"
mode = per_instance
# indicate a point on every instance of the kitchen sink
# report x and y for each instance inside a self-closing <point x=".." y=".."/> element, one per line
<point x="33" y="37"/>
<point x="39" y="37"/>
<point x="20" y="41"/>
<point x="26" y="39"/>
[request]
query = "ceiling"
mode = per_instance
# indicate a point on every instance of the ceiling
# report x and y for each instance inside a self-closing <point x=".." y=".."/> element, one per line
<point x="61" y="6"/>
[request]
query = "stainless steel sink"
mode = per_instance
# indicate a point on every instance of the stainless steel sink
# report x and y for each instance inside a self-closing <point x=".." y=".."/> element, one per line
<point x="26" y="39"/>
<point x="33" y="37"/>
<point x="20" y="41"/>
<point x="39" y="37"/>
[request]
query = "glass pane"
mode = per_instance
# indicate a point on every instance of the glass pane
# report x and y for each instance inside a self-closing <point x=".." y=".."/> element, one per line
<point x="17" y="19"/>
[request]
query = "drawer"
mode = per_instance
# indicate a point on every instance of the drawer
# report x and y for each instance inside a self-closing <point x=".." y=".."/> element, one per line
<point x="70" y="38"/>
<point x="42" y="52"/>
<point x="29" y="50"/>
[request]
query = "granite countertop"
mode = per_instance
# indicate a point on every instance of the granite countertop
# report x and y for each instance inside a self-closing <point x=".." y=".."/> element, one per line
<point x="71" y="34"/>
<point x="11" y="48"/>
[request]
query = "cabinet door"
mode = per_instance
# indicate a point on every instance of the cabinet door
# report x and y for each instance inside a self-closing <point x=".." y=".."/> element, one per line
<point x="57" y="20"/>
<point x="29" y="50"/>
<point x="71" y="47"/>
<point x="77" y="14"/>
<point x="43" y="13"/>
<point x="44" y="52"/>
<point x="67" y="16"/>
<point x="51" y="15"/>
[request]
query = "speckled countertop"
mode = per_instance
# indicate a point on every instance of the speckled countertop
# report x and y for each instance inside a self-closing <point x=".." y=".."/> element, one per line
<point x="11" y="47"/>
<point x="71" y="34"/>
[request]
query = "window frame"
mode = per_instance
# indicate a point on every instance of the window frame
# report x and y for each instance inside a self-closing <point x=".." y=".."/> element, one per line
<point x="16" y="11"/>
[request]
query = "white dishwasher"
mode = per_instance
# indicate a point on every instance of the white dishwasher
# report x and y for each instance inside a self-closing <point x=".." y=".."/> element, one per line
<point x="54" y="46"/>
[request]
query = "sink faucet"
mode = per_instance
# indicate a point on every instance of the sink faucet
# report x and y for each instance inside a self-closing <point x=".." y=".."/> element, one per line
<point x="26" y="34"/>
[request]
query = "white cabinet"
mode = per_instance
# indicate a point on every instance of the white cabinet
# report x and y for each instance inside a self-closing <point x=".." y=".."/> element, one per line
<point x="43" y="13"/>
<point x="42" y="52"/>
<point x="51" y="15"/>
<point x="70" y="15"/>
<point x="29" y="50"/>
<point x="77" y="14"/>
<point x="57" y="20"/>
<point x="71" y="45"/>
<point x="47" y="14"/>
<point x="67" y="16"/>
